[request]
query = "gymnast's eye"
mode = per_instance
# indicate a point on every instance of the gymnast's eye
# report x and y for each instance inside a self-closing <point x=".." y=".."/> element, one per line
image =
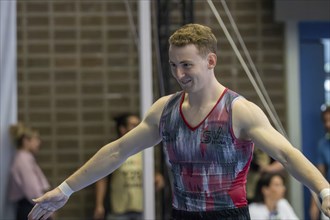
<point x="172" y="65"/>
<point x="187" y="65"/>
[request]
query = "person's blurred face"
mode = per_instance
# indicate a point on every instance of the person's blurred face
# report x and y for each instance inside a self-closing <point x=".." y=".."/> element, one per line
<point x="32" y="144"/>
<point x="132" y="122"/>
<point x="276" y="189"/>
<point x="326" y="121"/>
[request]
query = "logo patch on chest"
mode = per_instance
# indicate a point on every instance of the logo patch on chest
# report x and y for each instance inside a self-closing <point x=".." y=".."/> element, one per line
<point x="214" y="136"/>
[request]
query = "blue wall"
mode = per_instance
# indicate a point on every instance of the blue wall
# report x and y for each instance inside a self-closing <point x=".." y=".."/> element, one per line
<point x="312" y="77"/>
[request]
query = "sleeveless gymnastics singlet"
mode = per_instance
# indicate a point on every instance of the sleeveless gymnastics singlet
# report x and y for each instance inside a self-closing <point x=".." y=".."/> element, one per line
<point x="209" y="164"/>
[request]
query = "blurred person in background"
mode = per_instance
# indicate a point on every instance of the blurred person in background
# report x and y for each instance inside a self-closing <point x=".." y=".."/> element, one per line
<point x="120" y="195"/>
<point x="27" y="180"/>
<point x="261" y="163"/>
<point x="323" y="159"/>
<point x="269" y="202"/>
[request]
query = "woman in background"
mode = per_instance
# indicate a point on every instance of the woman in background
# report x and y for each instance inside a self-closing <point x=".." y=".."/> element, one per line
<point x="27" y="181"/>
<point x="269" y="202"/>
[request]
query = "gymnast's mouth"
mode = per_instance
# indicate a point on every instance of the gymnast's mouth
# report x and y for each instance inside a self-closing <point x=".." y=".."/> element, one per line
<point x="185" y="82"/>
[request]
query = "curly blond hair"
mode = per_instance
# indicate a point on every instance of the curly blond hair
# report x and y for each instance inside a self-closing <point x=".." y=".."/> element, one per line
<point x="199" y="35"/>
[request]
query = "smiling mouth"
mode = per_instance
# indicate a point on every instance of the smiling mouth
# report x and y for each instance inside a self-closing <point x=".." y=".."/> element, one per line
<point x="185" y="82"/>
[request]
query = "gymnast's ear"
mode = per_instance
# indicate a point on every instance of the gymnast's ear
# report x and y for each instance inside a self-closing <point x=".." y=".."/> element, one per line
<point x="211" y="60"/>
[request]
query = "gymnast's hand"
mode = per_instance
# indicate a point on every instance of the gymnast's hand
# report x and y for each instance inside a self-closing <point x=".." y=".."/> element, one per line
<point x="47" y="204"/>
<point x="326" y="206"/>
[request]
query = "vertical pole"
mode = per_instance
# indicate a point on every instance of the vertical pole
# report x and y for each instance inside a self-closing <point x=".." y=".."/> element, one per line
<point x="146" y="95"/>
<point x="8" y="98"/>
<point x="293" y="105"/>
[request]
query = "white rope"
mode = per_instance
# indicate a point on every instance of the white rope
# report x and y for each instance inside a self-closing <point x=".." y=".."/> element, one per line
<point x="252" y="65"/>
<point x="132" y="25"/>
<point x="245" y="67"/>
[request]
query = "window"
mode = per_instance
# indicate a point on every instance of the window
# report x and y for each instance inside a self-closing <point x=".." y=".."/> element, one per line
<point x="326" y="46"/>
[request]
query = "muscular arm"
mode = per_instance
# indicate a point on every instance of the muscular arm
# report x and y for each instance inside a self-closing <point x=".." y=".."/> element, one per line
<point x="105" y="161"/>
<point x="251" y="123"/>
<point x="112" y="155"/>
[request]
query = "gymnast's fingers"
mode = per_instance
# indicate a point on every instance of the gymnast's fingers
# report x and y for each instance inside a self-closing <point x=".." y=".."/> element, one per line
<point x="47" y="215"/>
<point x="34" y="212"/>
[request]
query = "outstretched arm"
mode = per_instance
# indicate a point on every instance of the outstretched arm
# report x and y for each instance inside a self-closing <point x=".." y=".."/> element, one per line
<point x="251" y="123"/>
<point x="104" y="162"/>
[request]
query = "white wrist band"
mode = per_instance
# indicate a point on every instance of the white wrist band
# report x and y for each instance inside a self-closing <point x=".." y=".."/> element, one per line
<point x="65" y="188"/>
<point x="324" y="193"/>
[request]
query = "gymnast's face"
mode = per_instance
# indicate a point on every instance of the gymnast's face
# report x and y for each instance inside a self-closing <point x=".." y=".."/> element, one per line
<point x="192" y="71"/>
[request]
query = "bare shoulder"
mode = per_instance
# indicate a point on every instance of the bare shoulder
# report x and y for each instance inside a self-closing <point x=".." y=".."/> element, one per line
<point x="155" y="111"/>
<point x="146" y="133"/>
<point x="247" y="115"/>
<point x="245" y="110"/>
<point x="160" y="103"/>
<point x="245" y="106"/>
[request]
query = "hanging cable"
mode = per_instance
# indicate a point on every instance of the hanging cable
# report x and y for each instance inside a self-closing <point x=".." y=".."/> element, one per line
<point x="132" y="25"/>
<point x="157" y="51"/>
<point x="251" y="63"/>
<point x="247" y="70"/>
<point x="136" y="41"/>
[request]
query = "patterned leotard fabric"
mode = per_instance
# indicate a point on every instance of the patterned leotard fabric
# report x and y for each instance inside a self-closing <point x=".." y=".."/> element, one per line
<point x="208" y="163"/>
